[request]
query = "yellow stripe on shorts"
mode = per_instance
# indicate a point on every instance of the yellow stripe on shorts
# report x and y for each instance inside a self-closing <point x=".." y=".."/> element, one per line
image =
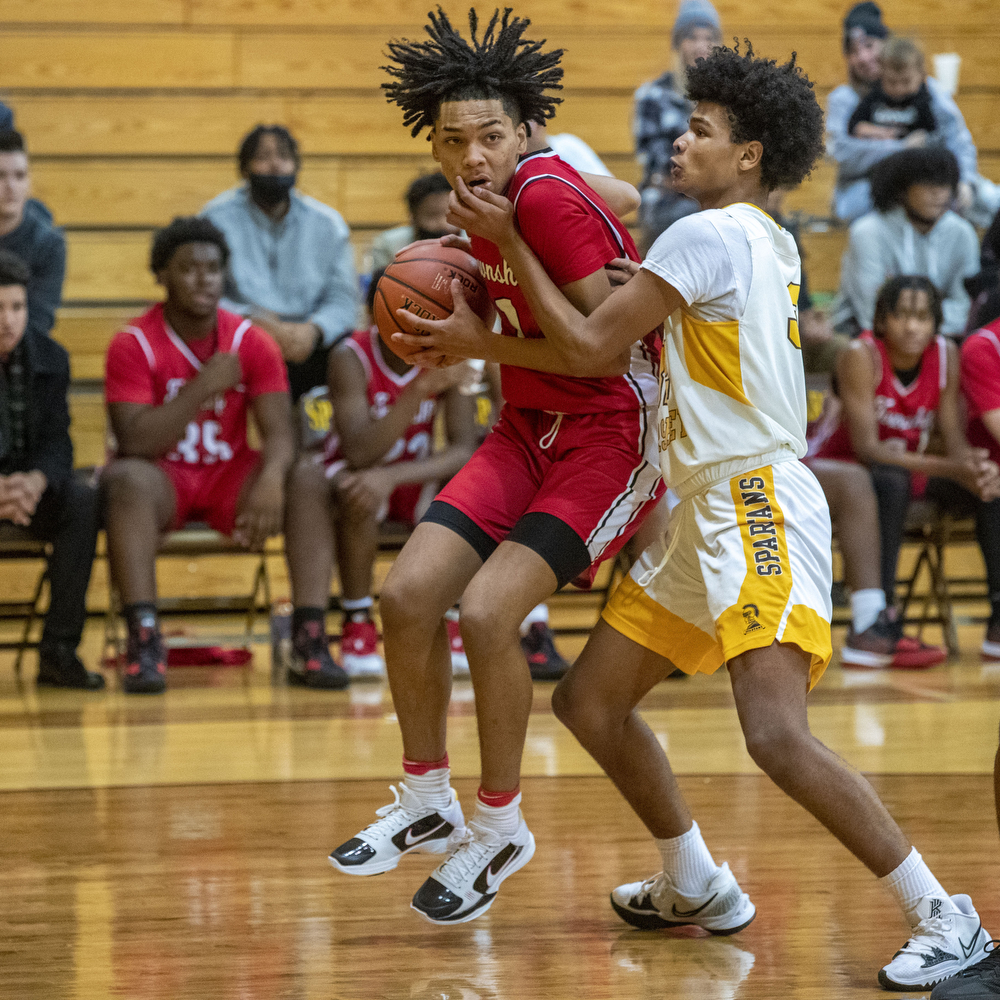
<point x="637" y="616"/>
<point x="753" y="621"/>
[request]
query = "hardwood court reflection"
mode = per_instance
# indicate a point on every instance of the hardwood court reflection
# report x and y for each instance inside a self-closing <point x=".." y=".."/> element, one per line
<point x="224" y="892"/>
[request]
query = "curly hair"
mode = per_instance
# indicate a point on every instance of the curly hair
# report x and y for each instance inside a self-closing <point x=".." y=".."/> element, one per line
<point x="892" y="291"/>
<point x="185" y="229"/>
<point x="503" y="65"/>
<point x="892" y="177"/>
<point x="767" y="103"/>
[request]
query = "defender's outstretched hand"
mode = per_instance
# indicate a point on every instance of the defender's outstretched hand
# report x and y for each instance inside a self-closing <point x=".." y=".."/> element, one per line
<point x="445" y="342"/>
<point x="481" y="212"/>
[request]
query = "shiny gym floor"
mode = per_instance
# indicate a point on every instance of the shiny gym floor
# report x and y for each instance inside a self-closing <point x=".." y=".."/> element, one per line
<point x="175" y="847"/>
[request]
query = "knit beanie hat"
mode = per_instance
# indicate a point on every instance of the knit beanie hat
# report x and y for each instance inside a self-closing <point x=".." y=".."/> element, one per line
<point x="694" y="14"/>
<point x="864" y="19"/>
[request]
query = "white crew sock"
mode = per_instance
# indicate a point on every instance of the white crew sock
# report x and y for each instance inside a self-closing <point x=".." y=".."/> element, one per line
<point x="432" y="788"/>
<point x="503" y="820"/>
<point x="539" y="613"/>
<point x="866" y="605"/>
<point x="910" y="882"/>
<point x="360" y="604"/>
<point x="687" y="861"/>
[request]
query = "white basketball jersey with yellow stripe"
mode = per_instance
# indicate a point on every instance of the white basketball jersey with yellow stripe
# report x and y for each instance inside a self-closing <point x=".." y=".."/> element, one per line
<point x="733" y="386"/>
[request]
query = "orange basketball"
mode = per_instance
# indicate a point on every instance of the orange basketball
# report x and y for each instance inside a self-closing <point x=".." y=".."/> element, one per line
<point x="419" y="281"/>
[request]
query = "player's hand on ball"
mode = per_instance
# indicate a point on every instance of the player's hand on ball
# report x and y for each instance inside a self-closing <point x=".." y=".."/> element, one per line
<point x="481" y="212"/>
<point x="443" y="342"/>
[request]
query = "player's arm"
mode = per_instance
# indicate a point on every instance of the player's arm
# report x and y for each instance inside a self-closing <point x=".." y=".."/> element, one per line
<point x="620" y="196"/>
<point x="146" y="431"/>
<point x="261" y="507"/>
<point x="365" y="440"/>
<point x="857" y="380"/>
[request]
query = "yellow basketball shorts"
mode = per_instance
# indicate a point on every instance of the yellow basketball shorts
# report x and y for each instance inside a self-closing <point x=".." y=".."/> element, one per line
<point x="743" y="563"/>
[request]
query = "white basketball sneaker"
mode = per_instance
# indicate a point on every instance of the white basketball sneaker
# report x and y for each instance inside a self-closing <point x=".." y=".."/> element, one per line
<point x="464" y="886"/>
<point x="405" y="826"/>
<point x="948" y="938"/>
<point x="723" y="908"/>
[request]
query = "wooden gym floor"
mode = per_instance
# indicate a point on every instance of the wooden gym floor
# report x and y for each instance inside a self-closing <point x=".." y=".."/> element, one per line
<point x="175" y="847"/>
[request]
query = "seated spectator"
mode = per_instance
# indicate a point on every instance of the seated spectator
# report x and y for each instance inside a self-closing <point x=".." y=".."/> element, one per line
<point x="912" y="231"/>
<point x="26" y="230"/>
<point x="38" y="490"/>
<point x="292" y="266"/>
<point x="378" y="464"/>
<point x="427" y="206"/>
<point x="661" y="116"/>
<point x="856" y="155"/>
<point x="896" y="385"/>
<point x="981" y="387"/>
<point x="181" y="383"/>
<point x="898" y="104"/>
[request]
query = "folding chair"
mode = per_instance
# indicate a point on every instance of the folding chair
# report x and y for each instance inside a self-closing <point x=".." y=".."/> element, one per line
<point x="17" y="543"/>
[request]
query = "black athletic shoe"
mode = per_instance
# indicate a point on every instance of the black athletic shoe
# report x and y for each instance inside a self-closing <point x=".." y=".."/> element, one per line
<point x="978" y="982"/>
<point x="540" y="650"/>
<point x="312" y="665"/>
<point x="145" y="662"/>
<point x="59" y="666"/>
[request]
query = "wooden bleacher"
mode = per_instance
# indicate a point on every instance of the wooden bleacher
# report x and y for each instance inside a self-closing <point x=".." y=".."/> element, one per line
<point x="133" y="112"/>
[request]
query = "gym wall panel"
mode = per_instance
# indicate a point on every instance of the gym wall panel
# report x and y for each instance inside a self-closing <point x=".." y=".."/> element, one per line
<point x="133" y="59"/>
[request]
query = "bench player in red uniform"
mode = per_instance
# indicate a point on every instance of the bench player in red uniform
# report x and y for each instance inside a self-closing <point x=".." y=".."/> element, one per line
<point x="378" y="463"/>
<point x="896" y="385"/>
<point x="180" y="385"/>
<point x="560" y="483"/>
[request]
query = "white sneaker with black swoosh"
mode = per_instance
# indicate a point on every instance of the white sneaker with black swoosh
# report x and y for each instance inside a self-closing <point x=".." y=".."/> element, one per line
<point x="464" y="886"/>
<point x="948" y="937"/>
<point x="405" y="826"/>
<point x="723" y="908"/>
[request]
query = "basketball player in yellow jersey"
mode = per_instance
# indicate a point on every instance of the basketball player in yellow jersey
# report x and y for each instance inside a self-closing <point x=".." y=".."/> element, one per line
<point x="743" y="575"/>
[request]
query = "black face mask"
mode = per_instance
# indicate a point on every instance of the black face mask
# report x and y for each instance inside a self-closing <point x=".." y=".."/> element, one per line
<point x="269" y="190"/>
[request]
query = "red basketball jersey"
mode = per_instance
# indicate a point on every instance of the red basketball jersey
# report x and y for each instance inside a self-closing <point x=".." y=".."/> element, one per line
<point x="904" y="411"/>
<point x="149" y="363"/>
<point x="981" y="384"/>
<point x="384" y="388"/>
<point x="573" y="233"/>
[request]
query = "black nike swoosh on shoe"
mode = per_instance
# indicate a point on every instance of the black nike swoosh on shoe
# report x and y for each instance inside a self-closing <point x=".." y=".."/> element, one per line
<point x="967" y="952"/>
<point x="690" y="913"/>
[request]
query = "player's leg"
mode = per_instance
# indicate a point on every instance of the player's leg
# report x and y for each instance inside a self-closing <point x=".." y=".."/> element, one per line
<point x="891" y="484"/>
<point x="875" y="638"/>
<point x="309" y="546"/>
<point x="427" y="578"/>
<point x="140" y="502"/>
<point x="637" y="643"/>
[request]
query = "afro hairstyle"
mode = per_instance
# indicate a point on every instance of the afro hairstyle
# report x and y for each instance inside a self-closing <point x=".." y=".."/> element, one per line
<point x="502" y="65"/>
<point x="892" y="177"/>
<point x="767" y="103"/>
<point x="185" y="229"/>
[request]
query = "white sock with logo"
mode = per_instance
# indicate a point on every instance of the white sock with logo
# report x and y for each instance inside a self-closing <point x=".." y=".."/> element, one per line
<point x="503" y="820"/>
<point x="687" y="861"/>
<point x="432" y="788"/>
<point x="866" y="605"/>
<point x="910" y="882"/>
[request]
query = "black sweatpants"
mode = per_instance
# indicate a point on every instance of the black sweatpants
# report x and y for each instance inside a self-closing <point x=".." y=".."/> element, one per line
<point x="892" y="491"/>
<point x="67" y="517"/>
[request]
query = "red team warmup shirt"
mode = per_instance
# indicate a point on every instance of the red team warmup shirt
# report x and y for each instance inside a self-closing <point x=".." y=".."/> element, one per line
<point x="384" y="388"/>
<point x="981" y="384"/>
<point x="148" y="363"/>
<point x="904" y="411"/>
<point x="573" y="233"/>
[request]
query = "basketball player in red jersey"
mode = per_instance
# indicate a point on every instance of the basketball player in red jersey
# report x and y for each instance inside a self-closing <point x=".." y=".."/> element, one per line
<point x="181" y="382"/>
<point x="378" y="463"/>
<point x="896" y="385"/>
<point x="561" y="482"/>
